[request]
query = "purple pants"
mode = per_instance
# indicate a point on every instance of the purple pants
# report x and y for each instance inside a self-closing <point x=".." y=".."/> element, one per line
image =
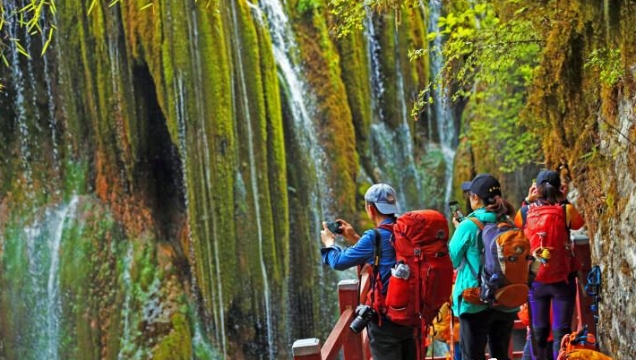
<point x="562" y="297"/>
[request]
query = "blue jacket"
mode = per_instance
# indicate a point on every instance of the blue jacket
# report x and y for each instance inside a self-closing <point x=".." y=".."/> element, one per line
<point x="362" y="253"/>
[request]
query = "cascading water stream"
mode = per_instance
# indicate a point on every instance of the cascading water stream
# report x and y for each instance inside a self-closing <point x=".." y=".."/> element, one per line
<point x="299" y="99"/>
<point x="300" y="104"/>
<point x="128" y="289"/>
<point x="441" y="109"/>
<point x="373" y="52"/>
<point x="53" y="285"/>
<point x="44" y="240"/>
<point x="393" y="146"/>
<point x="18" y="80"/>
<point x="253" y="176"/>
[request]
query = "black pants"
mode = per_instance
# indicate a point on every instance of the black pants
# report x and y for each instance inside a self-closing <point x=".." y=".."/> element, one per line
<point x="391" y="341"/>
<point x="488" y="326"/>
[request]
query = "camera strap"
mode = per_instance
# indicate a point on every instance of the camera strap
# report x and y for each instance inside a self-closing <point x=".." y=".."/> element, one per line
<point x="377" y="251"/>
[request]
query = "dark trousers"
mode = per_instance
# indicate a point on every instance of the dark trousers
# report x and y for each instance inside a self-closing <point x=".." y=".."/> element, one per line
<point x="561" y="298"/>
<point x="527" y="349"/>
<point x="391" y="341"/>
<point x="489" y="326"/>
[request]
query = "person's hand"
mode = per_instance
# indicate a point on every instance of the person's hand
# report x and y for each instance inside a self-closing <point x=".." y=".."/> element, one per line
<point x="532" y="193"/>
<point x="348" y="232"/>
<point x="455" y="222"/>
<point x="326" y="236"/>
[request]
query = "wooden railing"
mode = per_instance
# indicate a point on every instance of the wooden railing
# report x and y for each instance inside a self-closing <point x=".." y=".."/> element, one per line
<point x="356" y="346"/>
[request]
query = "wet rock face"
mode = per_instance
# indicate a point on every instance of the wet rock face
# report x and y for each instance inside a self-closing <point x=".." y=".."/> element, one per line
<point x="615" y="237"/>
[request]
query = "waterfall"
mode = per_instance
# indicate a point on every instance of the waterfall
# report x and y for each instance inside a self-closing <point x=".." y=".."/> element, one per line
<point x="51" y="106"/>
<point x="43" y="241"/>
<point x="440" y="107"/>
<point x="128" y="291"/>
<point x="291" y="79"/>
<point x="53" y="285"/>
<point x="392" y="148"/>
<point x="18" y="80"/>
<point x="253" y="176"/>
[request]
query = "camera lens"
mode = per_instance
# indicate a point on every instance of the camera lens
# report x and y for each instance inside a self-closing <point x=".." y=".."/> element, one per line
<point x="364" y="315"/>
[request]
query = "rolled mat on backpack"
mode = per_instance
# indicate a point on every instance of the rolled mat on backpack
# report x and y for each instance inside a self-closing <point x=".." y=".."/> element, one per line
<point x="580" y="345"/>
<point x="584" y="354"/>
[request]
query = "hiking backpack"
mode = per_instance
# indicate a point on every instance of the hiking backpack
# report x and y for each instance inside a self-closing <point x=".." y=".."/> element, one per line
<point x="420" y="239"/>
<point x="580" y="345"/>
<point x="547" y="230"/>
<point x="504" y="279"/>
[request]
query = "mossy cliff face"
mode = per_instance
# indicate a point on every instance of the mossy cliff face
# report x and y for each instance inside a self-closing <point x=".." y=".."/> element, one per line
<point x="157" y="200"/>
<point x="588" y="119"/>
<point x="581" y="104"/>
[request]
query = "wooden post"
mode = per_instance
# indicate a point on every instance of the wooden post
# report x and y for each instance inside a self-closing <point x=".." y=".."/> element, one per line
<point x="306" y="349"/>
<point x="348" y="299"/>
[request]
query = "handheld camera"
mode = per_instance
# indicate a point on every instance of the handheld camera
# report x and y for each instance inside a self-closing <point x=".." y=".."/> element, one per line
<point x="334" y="227"/>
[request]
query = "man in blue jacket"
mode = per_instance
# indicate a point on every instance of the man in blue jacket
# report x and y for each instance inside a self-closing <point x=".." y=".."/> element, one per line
<point x="388" y="341"/>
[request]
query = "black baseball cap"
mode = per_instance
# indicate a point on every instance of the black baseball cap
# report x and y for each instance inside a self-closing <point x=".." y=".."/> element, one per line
<point x="466" y="186"/>
<point x="550" y="176"/>
<point x="486" y="187"/>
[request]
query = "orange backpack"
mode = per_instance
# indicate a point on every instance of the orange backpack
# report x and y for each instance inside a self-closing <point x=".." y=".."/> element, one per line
<point x="504" y="279"/>
<point x="580" y="346"/>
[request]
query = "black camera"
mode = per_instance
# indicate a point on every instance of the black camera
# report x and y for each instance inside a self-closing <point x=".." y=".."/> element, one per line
<point x="334" y="227"/>
<point x="364" y="314"/>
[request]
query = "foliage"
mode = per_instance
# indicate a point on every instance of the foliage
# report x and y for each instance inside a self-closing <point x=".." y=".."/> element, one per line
<point x="490" y="53"/>
<point x="31" y="17"/>
<point x="490" y="62"/>
<point x="607" y="63"/>
<point x="307" y="6"/>
<point x="34" y="18"/>
<point x="349" y="15"/>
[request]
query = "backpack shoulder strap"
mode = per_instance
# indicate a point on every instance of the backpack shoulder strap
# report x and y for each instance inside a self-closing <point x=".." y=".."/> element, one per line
<point x="524" y="215"/>
<point x="565" y="216"/>
<point x="479" y="224"/>
<point x="377" y="251"/>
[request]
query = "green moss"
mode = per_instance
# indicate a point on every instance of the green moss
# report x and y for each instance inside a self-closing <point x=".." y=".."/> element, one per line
<point x="177" y="344"/>
<point x="333" y="115"/>
<point x="355" y="77"/>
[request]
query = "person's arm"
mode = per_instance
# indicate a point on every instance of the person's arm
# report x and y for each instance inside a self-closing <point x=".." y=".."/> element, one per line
<point x="461" y="240"/>
<point x="573" y="217"/>
<point x="358" y="254"/>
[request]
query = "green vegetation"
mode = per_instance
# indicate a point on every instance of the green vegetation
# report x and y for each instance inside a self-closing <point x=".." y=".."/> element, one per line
<point x="606" y="62"/>
<point x="28" y="18"/>
<point x="490" y="56"/>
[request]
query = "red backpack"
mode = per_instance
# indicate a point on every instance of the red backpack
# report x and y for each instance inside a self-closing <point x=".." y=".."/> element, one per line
<point x="549" y="236"/>
<point x="420" y="239"/>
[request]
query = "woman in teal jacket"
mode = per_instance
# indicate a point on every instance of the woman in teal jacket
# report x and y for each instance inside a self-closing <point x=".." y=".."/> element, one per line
<point x="479" y="324"/>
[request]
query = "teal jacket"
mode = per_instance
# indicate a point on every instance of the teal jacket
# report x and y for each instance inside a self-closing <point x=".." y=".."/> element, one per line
<point x="466" y="244"/>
